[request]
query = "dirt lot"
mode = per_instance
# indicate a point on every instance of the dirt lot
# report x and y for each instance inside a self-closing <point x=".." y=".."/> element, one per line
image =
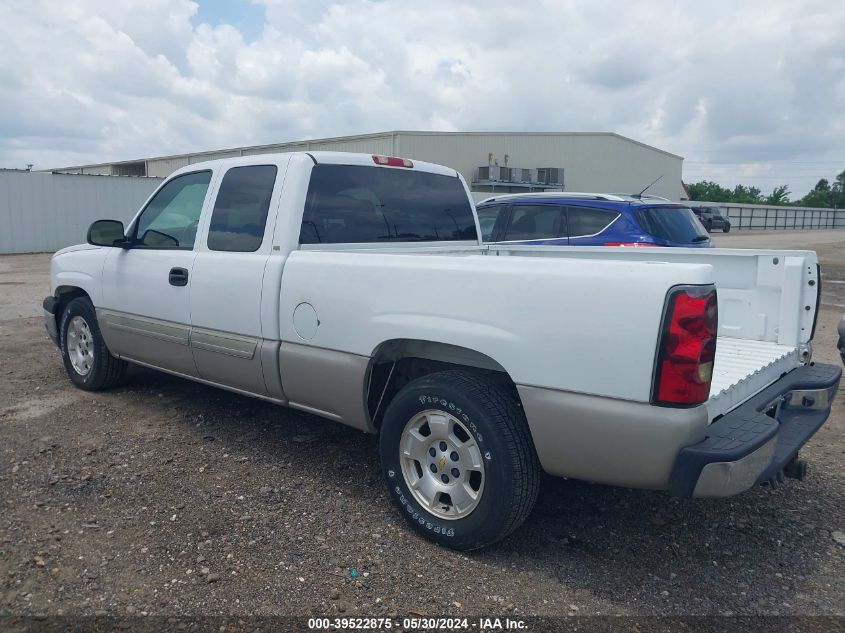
<point x="167" y="497"/>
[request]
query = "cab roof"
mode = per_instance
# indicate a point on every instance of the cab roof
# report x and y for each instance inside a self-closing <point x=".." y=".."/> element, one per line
<point x="318" y="158"/>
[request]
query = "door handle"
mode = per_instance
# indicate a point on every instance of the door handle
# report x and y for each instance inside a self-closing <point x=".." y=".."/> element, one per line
<point x="178" y="277"/>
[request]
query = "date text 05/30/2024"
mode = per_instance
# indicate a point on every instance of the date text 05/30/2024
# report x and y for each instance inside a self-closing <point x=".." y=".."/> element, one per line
<point x="416" y="623"/>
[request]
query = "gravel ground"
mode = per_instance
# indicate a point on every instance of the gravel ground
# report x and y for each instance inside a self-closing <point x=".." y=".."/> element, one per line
<point x="167" y="497"/>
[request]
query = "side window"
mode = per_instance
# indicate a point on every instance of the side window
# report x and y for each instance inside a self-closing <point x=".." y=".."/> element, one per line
<point x="240" y="211"/>
<point x="170" y="219"/>
<point x="534" y="222"/>
<point x="584" y="221"/>
<point x="487" y="219"/>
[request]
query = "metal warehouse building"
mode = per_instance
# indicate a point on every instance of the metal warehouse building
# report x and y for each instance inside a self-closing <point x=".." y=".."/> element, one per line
<point x="495" y="161"/>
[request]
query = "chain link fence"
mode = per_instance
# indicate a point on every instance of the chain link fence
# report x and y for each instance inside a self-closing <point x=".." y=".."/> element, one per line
<point x="760" y="217"/>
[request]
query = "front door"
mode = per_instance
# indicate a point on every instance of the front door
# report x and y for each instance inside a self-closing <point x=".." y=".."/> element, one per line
<point x="146" y="311"/>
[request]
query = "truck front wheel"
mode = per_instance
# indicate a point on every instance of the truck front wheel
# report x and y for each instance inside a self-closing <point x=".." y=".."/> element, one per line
<point x="458" y="458"/>
<point x="87" y="360"/>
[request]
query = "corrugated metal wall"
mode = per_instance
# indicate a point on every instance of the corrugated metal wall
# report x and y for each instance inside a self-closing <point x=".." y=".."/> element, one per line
<point x="43" y="212"/>
<point x="603" y="163"/>
<point x="275" y="149"/>
<point x="163" y="167"/>
<point x="375" y="145"/>
<point x="596" y="162"/>
<point x="97" y="170"/>
<point x="371" y="144"/>
<point x="592" y="162"/>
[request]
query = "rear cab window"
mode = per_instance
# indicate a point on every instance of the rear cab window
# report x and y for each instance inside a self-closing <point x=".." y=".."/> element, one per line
<point x="673" y="223"/>
<point x="357" y="204"/>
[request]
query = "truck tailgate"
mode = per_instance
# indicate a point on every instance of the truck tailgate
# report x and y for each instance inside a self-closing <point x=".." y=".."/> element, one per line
<point x="743" y="367"/>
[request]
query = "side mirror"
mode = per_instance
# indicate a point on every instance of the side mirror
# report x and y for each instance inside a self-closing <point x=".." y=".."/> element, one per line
<point x="107" y="233"/>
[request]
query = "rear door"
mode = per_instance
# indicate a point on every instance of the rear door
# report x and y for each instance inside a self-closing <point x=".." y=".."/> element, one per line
<point x="535" y="223"/>
<point x="586" y="225"/>
<point x="227" y="336"/>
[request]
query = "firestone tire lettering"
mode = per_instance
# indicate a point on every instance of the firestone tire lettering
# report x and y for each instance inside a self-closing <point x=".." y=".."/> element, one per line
<point x="490" y="410"/>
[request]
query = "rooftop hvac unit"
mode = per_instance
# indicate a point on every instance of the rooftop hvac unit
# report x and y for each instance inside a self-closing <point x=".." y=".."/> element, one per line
<point x="493" y="172"/>
<point x="518" y="174"/>
<point x="507" y="174"/>
<point x="524" y="175"/>
<point x="550" y="176"/>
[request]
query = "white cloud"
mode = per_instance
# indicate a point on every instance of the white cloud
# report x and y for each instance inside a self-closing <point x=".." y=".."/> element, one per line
<point x="752" y="92"/>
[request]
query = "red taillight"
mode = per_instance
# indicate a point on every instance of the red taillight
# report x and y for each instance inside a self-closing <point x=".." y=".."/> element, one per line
<point x="635" y="244"/>
<point x="392" y="161"/>
<point x="687" y="347"/>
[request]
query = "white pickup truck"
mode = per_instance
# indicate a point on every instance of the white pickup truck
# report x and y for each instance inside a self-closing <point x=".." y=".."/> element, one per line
<point x="355" y="287"/>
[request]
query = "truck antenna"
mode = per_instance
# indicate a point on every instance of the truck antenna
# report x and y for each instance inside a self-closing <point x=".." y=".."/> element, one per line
<point x="640" y="194"/>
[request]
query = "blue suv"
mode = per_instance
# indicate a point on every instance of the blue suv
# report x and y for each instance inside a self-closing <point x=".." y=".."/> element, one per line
<point x="585" y="219"/>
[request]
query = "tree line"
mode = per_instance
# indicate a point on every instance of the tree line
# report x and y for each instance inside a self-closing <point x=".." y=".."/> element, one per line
<point x="824" y="194"/>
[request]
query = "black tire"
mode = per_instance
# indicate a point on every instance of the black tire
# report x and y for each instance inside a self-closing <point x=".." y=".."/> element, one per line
<point x="493" y="416"/>
<point x="105" y="370"/>
<point x="708" y="226"/>
<point x="726" y="228"/>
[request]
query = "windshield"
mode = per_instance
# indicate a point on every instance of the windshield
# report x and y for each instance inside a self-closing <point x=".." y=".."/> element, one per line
<point x="676" y="224"/>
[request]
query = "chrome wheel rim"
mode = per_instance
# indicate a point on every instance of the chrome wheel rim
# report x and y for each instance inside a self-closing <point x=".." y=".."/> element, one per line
<point x="442" y="464"/>
<point x="80" y="345"/>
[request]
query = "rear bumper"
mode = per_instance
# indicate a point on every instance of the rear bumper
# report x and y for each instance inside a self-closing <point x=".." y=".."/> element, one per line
<point x="51" y="306"/>
<point x="754" y="442"/>
<point x="717" y="224"/>
<point x="609" y="441"/>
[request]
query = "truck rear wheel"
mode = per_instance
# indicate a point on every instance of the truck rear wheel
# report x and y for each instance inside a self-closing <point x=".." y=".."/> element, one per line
<point x="88" y="362"/>
<point x="458" y="458"/>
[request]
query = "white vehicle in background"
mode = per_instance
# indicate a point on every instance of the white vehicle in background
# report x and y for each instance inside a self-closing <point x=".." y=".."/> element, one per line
<point x="356" y="287"/>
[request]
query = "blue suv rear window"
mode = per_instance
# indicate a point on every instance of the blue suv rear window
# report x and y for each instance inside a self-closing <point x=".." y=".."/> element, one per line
<point x="676" y="224"/>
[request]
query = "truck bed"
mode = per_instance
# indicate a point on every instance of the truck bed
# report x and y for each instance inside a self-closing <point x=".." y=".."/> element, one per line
<point x="767" y="303"/>
<point x="744" y="367"/>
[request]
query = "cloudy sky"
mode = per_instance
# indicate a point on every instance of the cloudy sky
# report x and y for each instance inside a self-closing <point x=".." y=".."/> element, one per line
<point x="750" y="92"/>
